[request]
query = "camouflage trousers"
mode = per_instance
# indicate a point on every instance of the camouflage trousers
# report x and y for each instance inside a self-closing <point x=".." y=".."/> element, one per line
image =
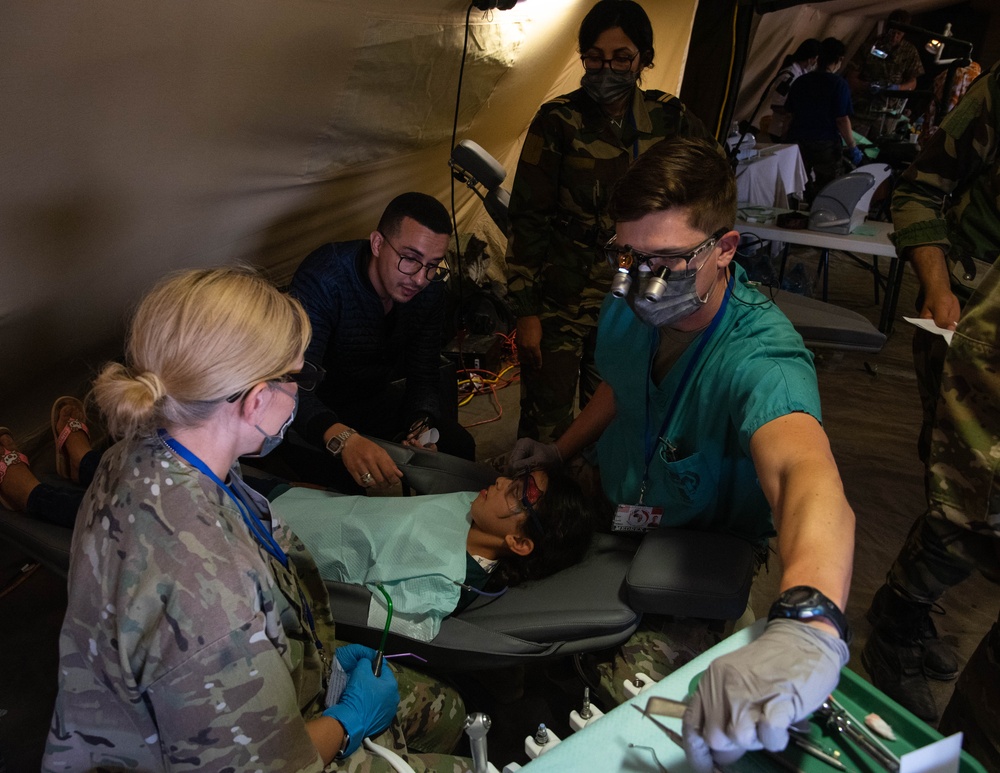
<point x="428" y="724"/>
<point x="960" y="532"/>
<point x="659" y="647"/>
<point x="548" y="392"/>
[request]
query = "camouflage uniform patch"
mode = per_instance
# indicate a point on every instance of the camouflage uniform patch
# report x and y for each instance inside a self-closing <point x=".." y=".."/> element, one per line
<point x="570" y="160"/>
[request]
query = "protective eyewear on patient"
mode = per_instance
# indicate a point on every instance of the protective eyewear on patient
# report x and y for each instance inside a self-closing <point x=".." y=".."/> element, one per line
<point x="522" y="495"/>
<point x="681" y="265"/>
<point x="308" y="379"/>
<point x="409" y="265"/>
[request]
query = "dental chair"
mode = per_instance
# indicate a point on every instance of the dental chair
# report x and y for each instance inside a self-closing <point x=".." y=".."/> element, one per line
<point x="594" y="605"/>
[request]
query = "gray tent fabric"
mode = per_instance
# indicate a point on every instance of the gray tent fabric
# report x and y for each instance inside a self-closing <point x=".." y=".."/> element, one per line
<point x="142" y="138"/>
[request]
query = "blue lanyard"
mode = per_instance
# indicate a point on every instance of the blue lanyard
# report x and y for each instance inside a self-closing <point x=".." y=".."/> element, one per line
<point x="681" y="387"/>
<point x="260" y="532"/>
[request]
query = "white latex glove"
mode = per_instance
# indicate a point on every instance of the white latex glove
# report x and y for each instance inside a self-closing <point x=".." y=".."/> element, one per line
<point x="747" y="699"/>
<point x="529" y="454"/>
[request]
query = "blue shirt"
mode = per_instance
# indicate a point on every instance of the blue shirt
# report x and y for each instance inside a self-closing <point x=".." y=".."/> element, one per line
<point x="753" y="369"/>
<point x="816" y="101"/>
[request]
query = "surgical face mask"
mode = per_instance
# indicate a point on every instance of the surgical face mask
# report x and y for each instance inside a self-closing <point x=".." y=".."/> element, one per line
<point x="605" y="86"/>
<point x="678" y="299"/>
<point x="273" y="441"/>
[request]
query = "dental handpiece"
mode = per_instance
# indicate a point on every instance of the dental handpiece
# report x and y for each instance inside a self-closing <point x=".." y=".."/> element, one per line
<point x="476" y="727"/>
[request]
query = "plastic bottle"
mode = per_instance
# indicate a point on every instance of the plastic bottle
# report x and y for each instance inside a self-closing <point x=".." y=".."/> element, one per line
<point x="734" y="136"/>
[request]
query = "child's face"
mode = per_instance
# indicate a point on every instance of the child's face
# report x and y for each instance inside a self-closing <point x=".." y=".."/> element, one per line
<point x="498" y="510"/>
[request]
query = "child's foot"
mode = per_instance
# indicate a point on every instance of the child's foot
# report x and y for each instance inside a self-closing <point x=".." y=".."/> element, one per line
<point x="16" y="478"/>
<point x="72" y="437"/>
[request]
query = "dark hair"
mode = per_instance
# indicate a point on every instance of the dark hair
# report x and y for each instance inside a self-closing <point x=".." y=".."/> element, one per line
<point x="830" y="50"/>
<point x="568" y="519"/>
<point x="426" y="210"/>
<point x="900" y="15"/>
<point x="807" y="49"/>
<point x="628" y="15"/>
<point x="679" y="172"/>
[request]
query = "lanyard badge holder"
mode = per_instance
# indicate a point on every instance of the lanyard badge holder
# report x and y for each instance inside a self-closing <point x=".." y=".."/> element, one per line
<point x="641" y="517"/>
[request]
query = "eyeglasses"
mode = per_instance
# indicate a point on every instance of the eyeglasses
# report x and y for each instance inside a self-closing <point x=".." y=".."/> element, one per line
<point x="680" y="264"/>
<point x="522" y="495"/>
<point x="435" y="272"/>
<point x="308" y="379"/>
<point x="619" y="62"/>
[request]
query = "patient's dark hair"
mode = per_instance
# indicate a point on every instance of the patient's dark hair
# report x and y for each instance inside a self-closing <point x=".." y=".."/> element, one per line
<point x="568" y="520"/>
<point x="426" y="210"/>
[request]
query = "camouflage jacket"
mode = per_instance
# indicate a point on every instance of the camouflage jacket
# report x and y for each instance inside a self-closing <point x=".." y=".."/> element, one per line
<point x="902" y="64"/>
<point x="184" y="646"/>
<point x="951" y="194"/>
<point x="571" y="159"/>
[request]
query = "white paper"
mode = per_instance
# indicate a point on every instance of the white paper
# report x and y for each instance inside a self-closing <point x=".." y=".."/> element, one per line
<point x="930" y="327"/>
<point x="939" y="757"/>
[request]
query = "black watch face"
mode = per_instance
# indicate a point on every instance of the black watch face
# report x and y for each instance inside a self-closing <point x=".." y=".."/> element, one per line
<point x="798" y="595"/>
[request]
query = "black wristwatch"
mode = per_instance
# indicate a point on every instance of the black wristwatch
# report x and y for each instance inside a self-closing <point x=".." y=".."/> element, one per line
<point x="806" y="603"/>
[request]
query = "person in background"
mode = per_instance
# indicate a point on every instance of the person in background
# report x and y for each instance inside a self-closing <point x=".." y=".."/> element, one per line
<point x="821" y="109"/>
<point x="577" y="146"/>
<point x="377" y="310"/>
<point x="710" y="412"/>
<point x="198" y="633"/>
<point x="885" y="63"/>
<point x="945" y="209"/>
<point x="801" y="61"/>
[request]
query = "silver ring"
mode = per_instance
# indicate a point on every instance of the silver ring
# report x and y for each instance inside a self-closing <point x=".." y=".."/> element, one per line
<point x="368" y="478"/>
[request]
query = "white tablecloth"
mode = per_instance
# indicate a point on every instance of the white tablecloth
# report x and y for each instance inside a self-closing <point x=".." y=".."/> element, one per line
<point x="768" y="179"/>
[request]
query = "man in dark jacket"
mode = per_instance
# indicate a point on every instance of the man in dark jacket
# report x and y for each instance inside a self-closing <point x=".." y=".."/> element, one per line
<point x="377" y="308"/>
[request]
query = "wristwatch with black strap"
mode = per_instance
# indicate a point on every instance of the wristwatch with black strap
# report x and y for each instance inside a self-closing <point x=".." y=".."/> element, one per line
<point x="335" y="445"/>
<point x="805" y="603"/>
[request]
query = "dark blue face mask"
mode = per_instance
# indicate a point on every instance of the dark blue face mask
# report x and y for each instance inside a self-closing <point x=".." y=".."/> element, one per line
<point x="273" y="441"/>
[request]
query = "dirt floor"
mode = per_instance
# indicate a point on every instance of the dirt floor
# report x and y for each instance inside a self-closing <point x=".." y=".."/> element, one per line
<point x="871" y="413"/>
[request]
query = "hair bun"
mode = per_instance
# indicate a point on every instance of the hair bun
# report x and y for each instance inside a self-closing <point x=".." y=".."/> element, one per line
<point x="152" y="383"/>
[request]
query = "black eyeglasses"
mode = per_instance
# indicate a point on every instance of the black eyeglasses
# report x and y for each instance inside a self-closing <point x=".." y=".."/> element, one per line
<point x="522" y="495"/>
<point x="308" y="379"/>
<point x="681" y="264"/>
<point x="620" y="62"/>
<point x="435" y="272"/>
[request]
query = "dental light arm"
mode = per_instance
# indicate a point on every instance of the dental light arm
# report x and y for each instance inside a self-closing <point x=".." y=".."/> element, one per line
<point x="478" y="170"/>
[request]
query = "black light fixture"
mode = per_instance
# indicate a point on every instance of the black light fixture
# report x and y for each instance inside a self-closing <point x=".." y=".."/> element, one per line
<point x="477" y="169"/>
<point x="500" y="5"/>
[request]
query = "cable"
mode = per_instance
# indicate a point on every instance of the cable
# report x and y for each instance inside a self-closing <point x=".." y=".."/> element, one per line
<point x="469" y="588"/>
<point x="377" y="663"/>
<point x="454" y="136"/>
<point x="732" y="64"/>
<point x="396" y="762"/>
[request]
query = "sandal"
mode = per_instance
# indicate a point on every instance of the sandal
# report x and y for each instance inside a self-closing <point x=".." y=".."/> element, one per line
<point x="8" y="458"/>
<point x="73" y="425"/>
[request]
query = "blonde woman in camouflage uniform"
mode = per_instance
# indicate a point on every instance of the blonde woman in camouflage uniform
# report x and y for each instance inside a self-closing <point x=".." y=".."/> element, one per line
<point x="198" y="634"/>
<point x="577" y="147"/>
<point x="946" y="209"/>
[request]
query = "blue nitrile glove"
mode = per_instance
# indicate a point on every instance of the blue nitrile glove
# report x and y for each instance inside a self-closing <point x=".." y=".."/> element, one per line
<point x="368" y="704"/>
<point x="748" y="698"/>
<point x="529" y="454"/>
<point x="857" y="157"/>
<point x="349" y="654"/>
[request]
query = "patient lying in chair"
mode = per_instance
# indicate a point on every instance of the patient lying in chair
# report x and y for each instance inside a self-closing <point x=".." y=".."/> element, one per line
<point x="434" y="554"/>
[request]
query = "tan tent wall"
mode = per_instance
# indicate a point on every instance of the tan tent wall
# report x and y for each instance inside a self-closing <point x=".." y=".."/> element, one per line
<point x="140" y="138"/>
